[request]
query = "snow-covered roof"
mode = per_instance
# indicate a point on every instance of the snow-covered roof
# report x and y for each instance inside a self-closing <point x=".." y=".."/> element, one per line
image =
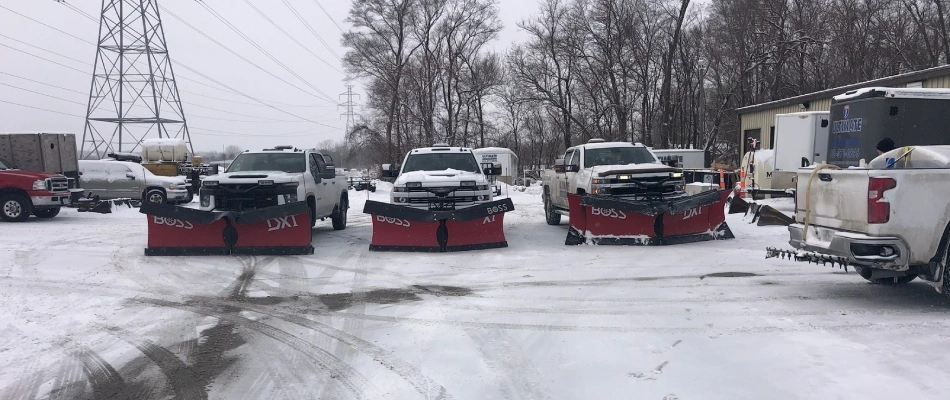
<point x="900" y="93"/>
<point x="441" y="149"/>
<point x="487" y="150"/>
<point x="665" y="151"/>
<point x="607" y="145"/>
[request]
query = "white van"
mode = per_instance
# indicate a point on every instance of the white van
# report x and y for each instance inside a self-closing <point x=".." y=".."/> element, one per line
<point x="119" y="179"/>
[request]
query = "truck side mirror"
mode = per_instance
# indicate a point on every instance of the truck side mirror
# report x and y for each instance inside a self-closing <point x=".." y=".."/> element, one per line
<point x="130" y="176"/>
<point x="492" y="171"/>
<point x="559" y="165"/>
<point x="388" y="171"/>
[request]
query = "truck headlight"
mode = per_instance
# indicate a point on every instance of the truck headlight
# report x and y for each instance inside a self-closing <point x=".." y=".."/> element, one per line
<point x="467" y="183"/>
<point x="399" y="189"/>
<point x="598" y="181"/>
<point x="481" y="187"/>
<point x="290" y="198"/>
<point x="291" y="184"/>
<point x="173" y="186"/>
<point x="39" y="185"/>
<point x="400" y="199"/>
<point x="205" y="200"/>
<point x="414" y="184"/>
<point x="481" y="198"/>
<point x="209" y="183"/>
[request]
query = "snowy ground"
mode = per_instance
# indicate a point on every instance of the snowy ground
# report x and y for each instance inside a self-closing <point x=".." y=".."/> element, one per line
<point x="85" y="315"/>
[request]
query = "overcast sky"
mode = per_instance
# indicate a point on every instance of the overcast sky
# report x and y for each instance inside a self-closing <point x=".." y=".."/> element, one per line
<point x="61" y="83"/>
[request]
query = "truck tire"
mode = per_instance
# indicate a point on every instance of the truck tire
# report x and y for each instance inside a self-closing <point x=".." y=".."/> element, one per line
<point x="46" y="212"/>
<point x="339" y="217"/>
<point x="550" y="215"/>
<point x="866" y="274"/>
<point x="15" y="208"/>
<point x="155" y="196"/>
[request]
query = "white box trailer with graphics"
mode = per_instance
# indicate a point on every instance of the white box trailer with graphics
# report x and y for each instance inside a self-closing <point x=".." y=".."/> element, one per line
<point x="801" y="139"/>
<point x="500" y="156"/>
<point x="54" y="153"/>
<point x="682" y="158"/>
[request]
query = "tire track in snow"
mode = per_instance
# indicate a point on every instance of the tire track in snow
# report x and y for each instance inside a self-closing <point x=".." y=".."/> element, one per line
<point x="349" y="377"/>
<point x="104" y="379"/>
<point x="522" y="379"/>
<point x="181" y="377"/>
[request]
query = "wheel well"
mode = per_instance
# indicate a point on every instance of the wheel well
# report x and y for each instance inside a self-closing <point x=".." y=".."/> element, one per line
<point x="311" y="202"/>
<point x="942" y="247"/>
<point x="151" y="188"/>
<point x="13" y="190"/>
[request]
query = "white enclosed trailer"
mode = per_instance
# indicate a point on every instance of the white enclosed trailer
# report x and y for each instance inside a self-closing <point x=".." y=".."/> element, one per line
<point x="501" y="156"/>
<point x="683" y="158"/>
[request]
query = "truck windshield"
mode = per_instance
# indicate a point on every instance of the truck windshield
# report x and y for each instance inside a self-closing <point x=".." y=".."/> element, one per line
<point x="286" y="162"/>
<point x="5" y="165"/>
<point x="440" y="162"/>
<point x="618" y="156"/>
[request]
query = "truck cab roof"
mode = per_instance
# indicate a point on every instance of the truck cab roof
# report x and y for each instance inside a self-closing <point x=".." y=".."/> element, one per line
<point x="606" y="145"/>
<point x="441" y="149"/>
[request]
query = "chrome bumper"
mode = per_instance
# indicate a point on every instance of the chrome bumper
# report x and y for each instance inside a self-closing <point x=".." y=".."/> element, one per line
<point x="49" y="201"/>
<point x="884" y="252"/>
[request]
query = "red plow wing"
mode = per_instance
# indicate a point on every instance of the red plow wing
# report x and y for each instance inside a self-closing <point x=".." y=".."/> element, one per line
<point x="614" y="220"/>
<point x="277" y="230"/>
<point x="401" y="228"/>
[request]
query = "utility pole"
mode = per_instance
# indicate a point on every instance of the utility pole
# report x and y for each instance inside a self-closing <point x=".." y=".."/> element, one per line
<point x="133" y="94"/>
<point x="349" y="108"/>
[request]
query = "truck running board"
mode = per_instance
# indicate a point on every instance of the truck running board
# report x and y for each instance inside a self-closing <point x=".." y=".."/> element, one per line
<point x="402" y="228"/>
<point x="276" y="230"/>
<point x="597" y="219"/>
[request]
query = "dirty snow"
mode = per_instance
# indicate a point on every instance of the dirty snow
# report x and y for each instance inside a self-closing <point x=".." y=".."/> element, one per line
<point x="85" y="315"/>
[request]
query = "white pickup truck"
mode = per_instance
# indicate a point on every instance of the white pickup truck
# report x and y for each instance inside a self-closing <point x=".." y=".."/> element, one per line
<point x="889" y="220"/>
<point x="608" y="168"/>
<point x="441" y="178"/>
<point x="279" y="176"/>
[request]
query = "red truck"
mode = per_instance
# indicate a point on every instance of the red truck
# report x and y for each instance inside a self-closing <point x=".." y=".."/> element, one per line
<point x="25" y="193"/>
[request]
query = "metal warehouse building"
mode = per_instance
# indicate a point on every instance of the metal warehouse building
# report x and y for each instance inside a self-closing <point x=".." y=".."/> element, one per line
<point x="758" y="121"/>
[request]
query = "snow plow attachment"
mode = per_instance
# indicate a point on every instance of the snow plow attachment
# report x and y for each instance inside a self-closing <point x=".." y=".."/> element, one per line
<point x="276" y="230"/>
<point x="401" y="228"/>
<point x="601" y="219"/>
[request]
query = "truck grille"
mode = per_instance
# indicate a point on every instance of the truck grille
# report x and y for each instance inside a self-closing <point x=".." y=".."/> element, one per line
<point x="56" y="185"/>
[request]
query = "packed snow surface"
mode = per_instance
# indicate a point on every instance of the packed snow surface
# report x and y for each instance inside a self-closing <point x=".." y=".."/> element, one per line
<point x="85" y="315"/>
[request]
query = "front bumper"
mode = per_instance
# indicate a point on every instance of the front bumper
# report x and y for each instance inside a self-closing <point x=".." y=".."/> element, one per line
<point x="857" y="248"/>
<point x="175" y="195"/>
<point x="47" y="199"/>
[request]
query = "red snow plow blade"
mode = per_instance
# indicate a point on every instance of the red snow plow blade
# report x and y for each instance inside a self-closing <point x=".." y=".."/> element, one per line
<point x="277" y="230"/>
<point x="618" y="221"/>
<point x="401" y="228"/>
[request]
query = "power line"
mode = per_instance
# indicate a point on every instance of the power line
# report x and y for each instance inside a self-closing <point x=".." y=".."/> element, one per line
<point x="200" y="32"/>
<point x="252" y="104"/>
<point x="74" y="8"/>
<point x="328" y="15"/>
<point x="261" y="49"/>
<point x="41" y="94"/>
<point x="253" y="98"/>
<point x="44" y="83"/>
<point x="43" y="58"/>
<point x="49" y="26"/>
<point x="310" y="28"/>
<point x="41" y="109"/>
<point x="261" y="13"/>
<point x="42" y="49"/>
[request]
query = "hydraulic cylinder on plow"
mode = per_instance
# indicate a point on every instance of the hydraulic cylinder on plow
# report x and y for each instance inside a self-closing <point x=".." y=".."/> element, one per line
<point x="603" y="219"/>
<point x="402" y="228"/>
<point x="276" y="230"/>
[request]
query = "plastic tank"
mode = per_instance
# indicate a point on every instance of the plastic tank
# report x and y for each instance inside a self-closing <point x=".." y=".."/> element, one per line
<point x="168" y="150"/>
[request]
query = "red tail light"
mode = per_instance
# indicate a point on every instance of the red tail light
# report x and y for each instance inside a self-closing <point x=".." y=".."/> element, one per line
<point x="879" y="210"/>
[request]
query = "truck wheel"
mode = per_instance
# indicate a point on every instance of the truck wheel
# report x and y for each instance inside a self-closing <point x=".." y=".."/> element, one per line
<point x="900" y="280"/>
<point x="550" y="216"/>
<point x="339" y="218"/>
<point x="15" y="208"/>
<point x="46" y="212"/>
<point x="155" y="196"/>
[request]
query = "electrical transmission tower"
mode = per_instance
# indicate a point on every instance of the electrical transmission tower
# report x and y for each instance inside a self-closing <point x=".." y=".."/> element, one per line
<point x="349" y="107"/>
<point x="133" y="95"/>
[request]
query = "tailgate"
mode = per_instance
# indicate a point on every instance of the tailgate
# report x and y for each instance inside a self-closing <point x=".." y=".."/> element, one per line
<point x="837" y="198"/>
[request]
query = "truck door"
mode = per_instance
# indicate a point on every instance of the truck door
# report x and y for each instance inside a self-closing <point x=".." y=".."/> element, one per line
<point x="560" y="182"/>
<point x="570" y="176"/>
<point x="124" y="183"/>
<point x="322" y="193"/>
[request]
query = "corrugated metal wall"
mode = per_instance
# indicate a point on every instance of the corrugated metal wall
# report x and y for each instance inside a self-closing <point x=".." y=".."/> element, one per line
<point x="764" y="120"/>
